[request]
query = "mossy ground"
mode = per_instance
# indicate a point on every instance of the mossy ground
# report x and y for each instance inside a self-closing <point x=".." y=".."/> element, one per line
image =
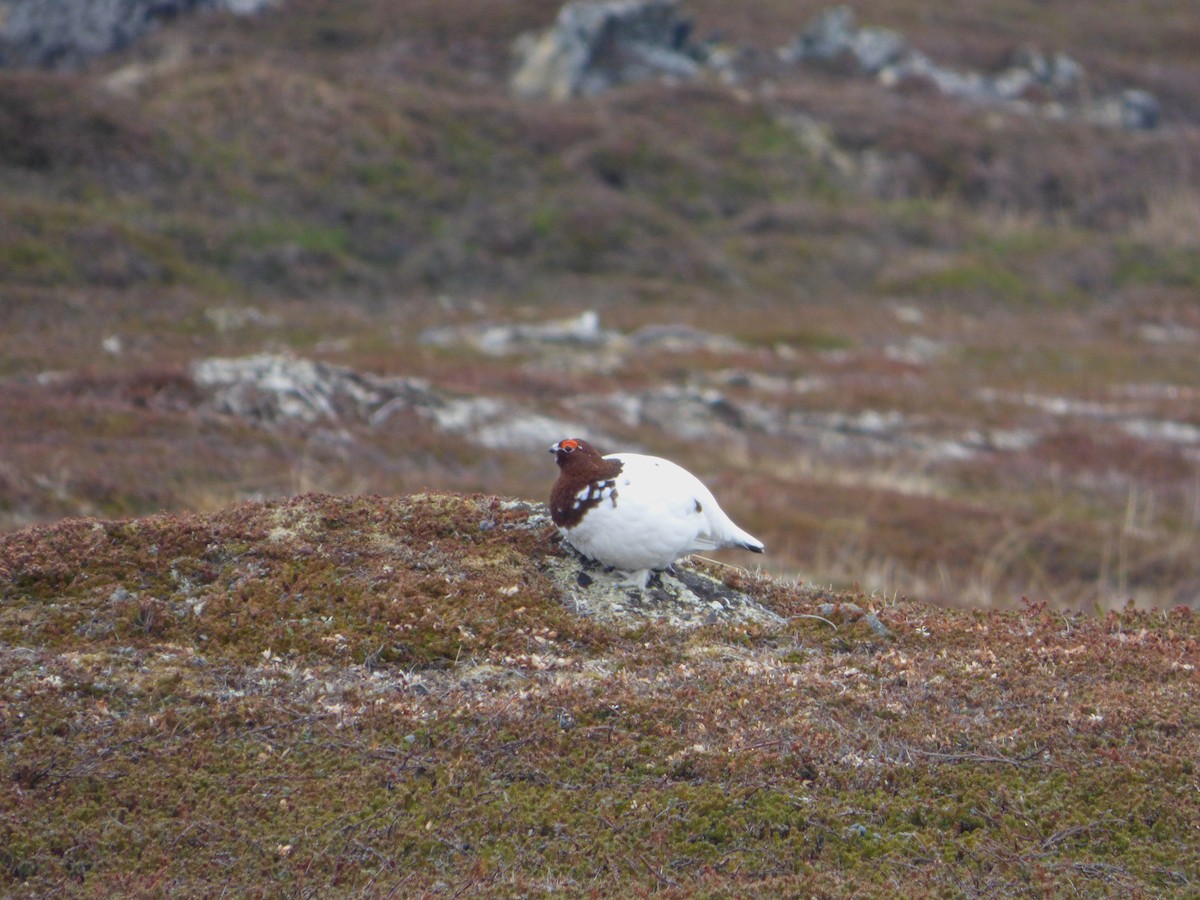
<point x="370" y="696"/>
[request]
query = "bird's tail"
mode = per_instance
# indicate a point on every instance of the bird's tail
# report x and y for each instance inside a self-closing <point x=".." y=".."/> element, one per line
<point x="730" y="537"/>
<point x="747" y="541"/>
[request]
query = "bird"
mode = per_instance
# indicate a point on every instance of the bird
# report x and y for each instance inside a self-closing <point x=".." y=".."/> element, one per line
<point x="636" y="513"/>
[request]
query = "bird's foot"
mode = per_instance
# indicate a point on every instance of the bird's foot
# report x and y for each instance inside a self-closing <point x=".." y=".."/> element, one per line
<point x="638" y="579"/>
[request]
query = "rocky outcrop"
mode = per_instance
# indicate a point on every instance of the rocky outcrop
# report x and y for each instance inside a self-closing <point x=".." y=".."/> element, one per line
<point x="681" y="597"/>
<point x="1133" y="109"/>
<point x="64" y="34"/>
<point x="278" y="391"/>
<point x="272" y="390"/>
<point x="595" y="46"/>
<point x="832" y="40"/>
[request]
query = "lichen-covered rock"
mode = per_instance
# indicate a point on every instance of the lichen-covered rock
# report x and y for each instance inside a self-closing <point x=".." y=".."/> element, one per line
<point x="681" y="597"/>
<point x="272" y="388"/>
<point x="833" y="40"/>
<point x="594" y="46"/>
<point x="1133" y="110"/>
<point x="65" y="34"/>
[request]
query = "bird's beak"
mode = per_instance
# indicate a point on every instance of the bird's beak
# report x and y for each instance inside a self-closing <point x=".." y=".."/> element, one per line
<point x="554" y="448"/>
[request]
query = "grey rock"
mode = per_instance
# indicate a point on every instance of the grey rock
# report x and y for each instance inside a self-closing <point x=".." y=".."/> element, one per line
<point x="65" y="34"/>
<point x="1030" y="59"/>
<point x="829" y="36"/>
<point x="595" y="46"/>
<point x="272" y="389"/>
<point x="1059" y="73"/>
<point x="1160" y="431"/>
<point x="1012" y="83"/>
<point x="1133" y="110"/>
<point x="876" y="48"/>
<point x="682" y="598"/>
<point x="832" y="38"/>
<point x="917" y="66"/>
<point x="1065" y="74"/>
<point x="578" y="335"/>
<point x="502" y="340"/>
<point x="691" y="413"/>
<point x="502" y="426"/>
<point x="700" y="414"/>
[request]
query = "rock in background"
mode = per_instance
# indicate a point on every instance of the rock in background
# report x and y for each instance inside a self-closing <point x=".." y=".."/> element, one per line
<point x="65" y="34"/>
<point x="595" y="46"/>
<point x="832" y="40"/>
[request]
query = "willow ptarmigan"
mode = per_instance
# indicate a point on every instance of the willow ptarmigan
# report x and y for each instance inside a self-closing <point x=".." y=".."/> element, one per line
<point x="636" y="513"/>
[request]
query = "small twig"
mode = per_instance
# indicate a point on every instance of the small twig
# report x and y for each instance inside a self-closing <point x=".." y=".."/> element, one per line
<point x="263" y="729"/>
<point x="659" y="875"/>
<point x="810" y="616"/>
<point x="179" y="836"/>
<point x="772" y="743"/>
<point x="1065" y="834"/>
<point x="721" y="563"/>
<point x="587" y="729"/>
<point x="977" y="757"/>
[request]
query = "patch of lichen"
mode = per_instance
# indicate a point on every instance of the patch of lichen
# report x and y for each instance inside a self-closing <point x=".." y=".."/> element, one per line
<point x="348" y="695"/>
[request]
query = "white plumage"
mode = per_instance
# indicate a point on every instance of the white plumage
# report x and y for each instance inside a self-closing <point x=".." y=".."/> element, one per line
<point x="641" y="517"/>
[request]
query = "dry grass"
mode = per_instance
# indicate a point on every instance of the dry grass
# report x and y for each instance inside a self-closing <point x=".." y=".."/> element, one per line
<point x="1172" y="219"/>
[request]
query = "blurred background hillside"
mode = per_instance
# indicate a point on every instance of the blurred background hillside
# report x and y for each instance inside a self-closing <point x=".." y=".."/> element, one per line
<point x="915" y="289"/>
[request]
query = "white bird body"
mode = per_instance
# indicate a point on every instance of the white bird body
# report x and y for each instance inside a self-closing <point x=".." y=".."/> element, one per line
<point x="637" y="513"/>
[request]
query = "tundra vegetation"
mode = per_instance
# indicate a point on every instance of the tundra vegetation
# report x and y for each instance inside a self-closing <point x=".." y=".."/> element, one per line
<point x="294" y="303"/>
<point x="389" y="696"/>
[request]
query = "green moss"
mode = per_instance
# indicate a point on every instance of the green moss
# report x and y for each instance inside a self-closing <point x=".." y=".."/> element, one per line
<point x="306" y="236"/>
<point x="1151" y="264"/>
<point x="969" y="278"/>
<point x="33" y="260"/>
